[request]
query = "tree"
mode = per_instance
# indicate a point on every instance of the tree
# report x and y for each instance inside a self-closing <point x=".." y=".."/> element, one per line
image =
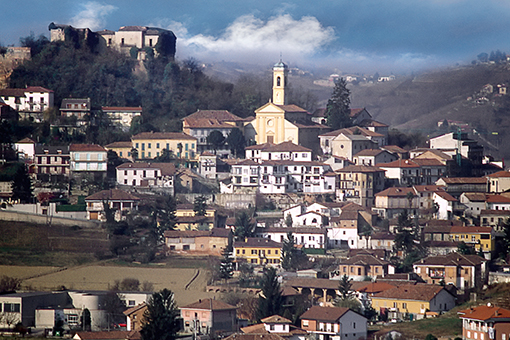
<point x="244" y="227"/>
<point x="288" y="251"/>
<point x="134" y="154"/>
<point x="226" y="264"/>
<point x="9" y="284"/>
<point x="288" y="220"/>
<point x="236" y="142"/>
<point x="464" y="249"/>
<point x="338" y="112"/>
<point x="505" y="242"/>
<point x="160" y="320"/>
<point x="179" y="147"/>
<point x="166" y="215"/>
<point x="216" y="140"/>
<point x="22" y="185"/>
<point x="346" y="297"/>
<point x="200" y="206"/>
<point x="270" y="299"/>
<point x="85" y="320"/>
<point x="114" y="306"/>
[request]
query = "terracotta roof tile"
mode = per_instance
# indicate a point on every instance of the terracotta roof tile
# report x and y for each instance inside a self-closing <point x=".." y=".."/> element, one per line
<point x="485" y="313"/>
<point x="209" y="304"/>
<point x="163" y="135"/>
<point x="418" y="292"/>
<point x="329" y="314"/>
<point x="86" y="147"/>
<point x="113" y="195"/>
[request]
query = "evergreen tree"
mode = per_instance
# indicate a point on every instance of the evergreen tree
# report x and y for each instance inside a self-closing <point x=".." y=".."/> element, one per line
<point x="505" y="242"/>
<point x="200" y="206"/>
<point x="244" y="226"/>
<point x="288" y="251"/>
<point x="226" y="264"/>
<point x="22" y="185"/>
<point x="236" y="142"/>
<point x="338" y="112"/>
<point x="270" y="299"/>
<point x="346" y="297"/>
<point x="161" y="319"/>
<point x="288" y="220"/>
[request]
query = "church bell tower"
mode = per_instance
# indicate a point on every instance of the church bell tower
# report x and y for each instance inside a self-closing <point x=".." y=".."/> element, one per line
<point x="280" y="71"/>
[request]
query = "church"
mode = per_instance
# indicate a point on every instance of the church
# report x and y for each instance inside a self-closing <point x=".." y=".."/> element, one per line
<point x="277" y="121"/>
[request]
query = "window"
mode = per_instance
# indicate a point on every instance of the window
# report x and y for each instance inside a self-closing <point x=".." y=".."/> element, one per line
<point x="271" y="327"/>
<point x="157" y="145"/>
<point x="131" y="302"/>
<point x="73" y="319"/>
<point x="12" y="307"/>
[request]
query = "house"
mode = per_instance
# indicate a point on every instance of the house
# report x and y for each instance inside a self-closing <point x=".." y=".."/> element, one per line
<point x="396" y="150"/>
<point x="455" y="186"/>
<point x="307" y="237"/>
<point x="154" y="176"/>
<point x="278" y="325"/>
<point x="285" y="151"/>
<point x="373" y="156"/>
<point x="134" y="317"/>
<point x="315" y="289"/>
<point x="335" y="323"/>
<point x="447" y="205"/>
<point x="277" y="121"/>
<point x="51" y="161"/>
<point x="123" y="149"/>
<point x="210" y="242"/>
<point x="337" y="162"/>
<point x="282" y="176"/>
<point x="413" y="300"/>
<point x="151" y="144"/>
<point x="88" y="159"/>
<point x="485" y="322"/>
<point x="201" y="123"/>
<point x="361" y="266"/>
<point x="258" y="251"/>
<point x="474" y="203"/>
<point x="413" y="171"/>
<point x="359" y="184"/>
<point x="393" y="201"/>
<point x="482" y="239"/>
<point x="25" y="149"/>
<point x="76" y="107"/>
<point x="122" y="116"/>
<point x="345" y="230"/>
<point x="497" y="202"/>
<point x="209" y="316"/>
<point x="347" y="145"/>
<point x="118" y="201"/>
<point x="494" y="219"/>
<point x="30" y="102"/>
<point x="462" y="271"/>
<point x="498" y="182"/>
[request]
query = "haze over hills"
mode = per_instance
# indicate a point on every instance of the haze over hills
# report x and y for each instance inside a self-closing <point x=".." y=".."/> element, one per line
<point x="418" y="102"/>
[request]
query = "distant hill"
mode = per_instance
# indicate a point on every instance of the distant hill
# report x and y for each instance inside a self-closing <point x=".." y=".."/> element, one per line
<point x="418" y="103"/>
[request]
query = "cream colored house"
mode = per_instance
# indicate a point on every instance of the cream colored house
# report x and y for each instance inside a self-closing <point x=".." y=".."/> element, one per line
<point x="152" y="144"/>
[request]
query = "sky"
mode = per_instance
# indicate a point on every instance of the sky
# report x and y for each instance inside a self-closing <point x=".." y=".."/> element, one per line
<point x="385" y="36"/>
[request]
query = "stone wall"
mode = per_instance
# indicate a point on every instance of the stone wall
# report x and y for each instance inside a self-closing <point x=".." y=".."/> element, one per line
<point x="16" y="216"/>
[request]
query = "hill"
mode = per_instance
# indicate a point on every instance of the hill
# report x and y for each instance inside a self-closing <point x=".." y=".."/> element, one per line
<point x="418" y="103"/>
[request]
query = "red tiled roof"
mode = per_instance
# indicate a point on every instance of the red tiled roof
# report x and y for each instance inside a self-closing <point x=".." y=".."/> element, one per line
<point x="360" y="168"/>
<point x="445" y="196"/>
<point x="329" y="314"/>
<point x="309" y="282"/>
<point x="220" y="115"/>
<point x="209" y="304"/>
<point x="464" y="180"/>
<point x="469" y="230"/>
<point x="163" y="135"/>
<point x="276" y="319"/>
<point x="286" y="146"/>
<point x="121" y="108"/>
<point x="86" y="147"/>
<point x="167" y="169"/>
<point x="37" y="89"/>
<point x="400" y="163"/>
<point x="484" y="313"/>
<point x="452" y="259"/>
<point x="257" y="242"/>
<point x="113" y="195"/>
<point x="395" y="192"/>
<point x="497" y="199"/>
<point x="499" y="174"/>
<point x="418" y="292"/>
<point x="291" y="108"/>
<point x="122" y="144"/>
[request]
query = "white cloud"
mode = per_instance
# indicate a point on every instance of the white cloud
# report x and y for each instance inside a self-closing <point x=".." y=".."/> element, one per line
<point x="251" y="39"/>
<point x="92" y="15"/>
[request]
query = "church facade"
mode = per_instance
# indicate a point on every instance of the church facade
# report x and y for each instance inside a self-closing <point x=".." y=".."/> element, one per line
<point x="277" y="122"/>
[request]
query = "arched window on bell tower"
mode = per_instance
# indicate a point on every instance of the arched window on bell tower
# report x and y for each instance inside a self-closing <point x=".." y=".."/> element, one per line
<point x="278" y="81"/>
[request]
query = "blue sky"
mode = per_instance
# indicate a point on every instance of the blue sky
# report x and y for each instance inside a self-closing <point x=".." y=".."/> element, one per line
<point x="351" y="36"/>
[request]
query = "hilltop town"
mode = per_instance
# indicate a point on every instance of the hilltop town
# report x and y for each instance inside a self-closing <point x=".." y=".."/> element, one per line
<point x="309" y="224"/>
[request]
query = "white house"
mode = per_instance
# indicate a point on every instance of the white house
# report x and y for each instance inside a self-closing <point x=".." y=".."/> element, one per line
<point x="334" y="323"/>
<point x="29" y="102"/>
<point x="308" y="237"/>
<point x="122" y="116"/>
<point x="446" y="205"/>
<point x="148" y="175"/>
<point x="117" y="200"/>
<point x="25" y="149"/>
<point x="87" y="158"/>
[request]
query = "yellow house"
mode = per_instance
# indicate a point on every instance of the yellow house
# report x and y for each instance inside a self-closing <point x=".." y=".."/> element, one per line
<point x="479" y="237"/>
<point x="413" y="301"/>
<point x="257" y="251"/>
<point x="186" y="219"/>
<point x="277" y="122"/>
<point x="151" y="144"/>
<point x="123" y="149"/>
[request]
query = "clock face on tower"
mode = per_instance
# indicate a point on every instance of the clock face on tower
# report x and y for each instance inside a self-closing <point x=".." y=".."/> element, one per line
<point x="270" y="122"/>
